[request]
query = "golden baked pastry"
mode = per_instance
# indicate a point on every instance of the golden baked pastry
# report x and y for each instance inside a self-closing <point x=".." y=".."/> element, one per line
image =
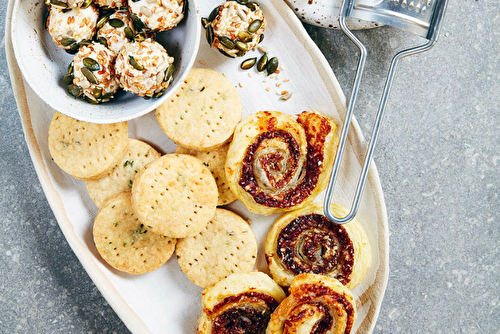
<point x="278" y="163"/>
<point x="241" y="303"/>
<point x="305" y="241"/>
<point x="315" y="304"/>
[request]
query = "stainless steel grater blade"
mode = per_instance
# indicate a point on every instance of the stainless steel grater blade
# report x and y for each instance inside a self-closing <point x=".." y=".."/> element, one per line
<point x="421" y="17"/>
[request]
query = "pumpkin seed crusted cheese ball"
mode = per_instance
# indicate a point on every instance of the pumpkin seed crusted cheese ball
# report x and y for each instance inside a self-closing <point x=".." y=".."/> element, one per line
<point x="234" y="28"/>
<point x="203" y="113"/>
<point x="158" y="15"/>
<point x="117" y="31"/>
<point x="86" y="150"/>
<point x="125" y="243"/>
<point x="144" y="68"/>
<point x="68" y="27"/>
<point x="94" y="73"/>
<point x="121" y="179"/>
<point x="175" y="195"/>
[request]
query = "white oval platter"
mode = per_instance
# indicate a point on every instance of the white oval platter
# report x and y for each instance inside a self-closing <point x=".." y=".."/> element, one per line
<point x="165" y="298"/>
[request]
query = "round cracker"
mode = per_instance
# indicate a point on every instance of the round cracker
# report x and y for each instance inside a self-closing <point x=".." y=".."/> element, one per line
<point x="203" y="113"/>
<point x="175" y="195"/>
<point x="214" y="160"/>
<point x="86" y="150"/>
<point x="226" y="245"/>
<point x="125" y="243"/>
<point x="121" y="178"/>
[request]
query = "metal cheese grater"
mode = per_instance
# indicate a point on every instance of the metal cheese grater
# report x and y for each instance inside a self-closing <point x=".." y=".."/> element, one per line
<point x="421" y="17"/>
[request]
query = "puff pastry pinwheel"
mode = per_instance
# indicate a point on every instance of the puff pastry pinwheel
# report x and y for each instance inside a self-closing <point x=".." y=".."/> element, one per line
<point x="305" y="241"/>
<point x="240" y="303"/>
<point x="277" y="163"/>
<point x="316" y="304"/>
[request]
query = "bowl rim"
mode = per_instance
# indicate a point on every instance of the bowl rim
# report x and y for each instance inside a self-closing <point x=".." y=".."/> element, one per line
<point x="192" y="6"/>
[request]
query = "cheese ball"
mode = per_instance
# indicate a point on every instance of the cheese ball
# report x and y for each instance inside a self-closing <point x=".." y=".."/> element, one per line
<point x="160" y="15"/>
<point x="69" y="27"/>
<point x="93" y="72"/>
<point x="144" y="68"/>
<point x="234" y="28"/>
<point x="117" y="31"/>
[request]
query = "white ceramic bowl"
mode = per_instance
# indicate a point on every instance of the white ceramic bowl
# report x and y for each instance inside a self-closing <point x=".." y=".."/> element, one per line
<point x="44" y="65"/>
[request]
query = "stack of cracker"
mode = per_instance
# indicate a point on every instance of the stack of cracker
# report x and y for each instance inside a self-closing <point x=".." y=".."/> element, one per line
<point x="152" y="204"/>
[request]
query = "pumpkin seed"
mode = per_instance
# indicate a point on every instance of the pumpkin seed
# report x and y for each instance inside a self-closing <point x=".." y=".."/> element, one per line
<point x="261" y="38"/>
<point x="139" y="37"/>
<point x="159" y="94"/>
<point x="102" y="21"/>
<point x="169" y="72"/>
<point x="107" y="96"/>
<point x="213" y="14"/>
<point x="59" y="4"/>
<point x="261" y="65"/>
<point x="73" y="48"/>
<point x="70" y="68"/>
<point x="240" y="53"/>
<point x="210" y="35"/>
<point x="85" y="42"/>
<point x="242" y="2"/>
<point x="86" y="3"/>
<point x="75" y="91"/>
<point x="204" y="22"/>
<point x="91" y="64"/>
<point x="252" y="5"/>
<point x="97" y="92"/>
<point x="135" y="64"/>
<point x="254" y="26"/>
<point x="116" y="23"/>
<point x="89" y="75"/>
<point x="68" y="79"/>
<point x="248" y="64"/>
<point x="226" y="42"/>
<point x="67" y="41"/>
<point x="244" y="36"/>
<point x="225" y="53"/>
<point x="103" y="41"/>
<point x="89" y="100"/>
<point x="272" y="65"/>
<point x="129" y="33"/>
<point x="241" y="46"/>
<point x="139" y="25"/>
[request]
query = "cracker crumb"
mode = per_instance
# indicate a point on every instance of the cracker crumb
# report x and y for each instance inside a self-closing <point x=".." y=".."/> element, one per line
<point x="282" y="67"/>
<point x="286" y="96"/>
<point x="278" y="84"/>
<point x="286" y="80"/>
<point x="202" y="62"/>
<point x="250" y="74"/>
<point x="263" y="49"/>
<point x="240" y="84"/>
<point x="265" y="80"/>
<point x="268" y="88"/>
<point x="272" y="76"/>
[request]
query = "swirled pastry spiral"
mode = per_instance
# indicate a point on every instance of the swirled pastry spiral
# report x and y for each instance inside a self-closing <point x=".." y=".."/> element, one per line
<point x="316" y="304"/>
<point x="305" y="241"/>
<point x="278" y="163"/>
<point x="241" y="303"/>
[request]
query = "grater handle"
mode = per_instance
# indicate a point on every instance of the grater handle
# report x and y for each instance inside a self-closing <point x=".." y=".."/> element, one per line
<point x="347" y="122"/>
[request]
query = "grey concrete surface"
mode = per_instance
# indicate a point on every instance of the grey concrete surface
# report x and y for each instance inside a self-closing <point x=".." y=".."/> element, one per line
<point x="438" y="157"/>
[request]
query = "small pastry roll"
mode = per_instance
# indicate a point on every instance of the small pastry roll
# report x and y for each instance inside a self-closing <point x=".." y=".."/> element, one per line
<point x="305" y="241"/>
<point x="241" y="303"/>
<point x="316" y="304"/>
<point x="278" y="163"/>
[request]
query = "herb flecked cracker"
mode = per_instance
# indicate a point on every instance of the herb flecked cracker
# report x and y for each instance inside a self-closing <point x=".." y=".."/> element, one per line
<point x="125" y="243"/>
<point x="85" y="150"/>
<point x="226" y="245"/>
<point x="214" y="160"/>
<point x="121" y="178"/>
<point x="203" y="113"/>
<point x="175" y="195"/>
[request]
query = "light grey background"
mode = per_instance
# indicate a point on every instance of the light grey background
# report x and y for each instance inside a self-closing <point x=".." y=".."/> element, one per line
<point x="438" y="157"/>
